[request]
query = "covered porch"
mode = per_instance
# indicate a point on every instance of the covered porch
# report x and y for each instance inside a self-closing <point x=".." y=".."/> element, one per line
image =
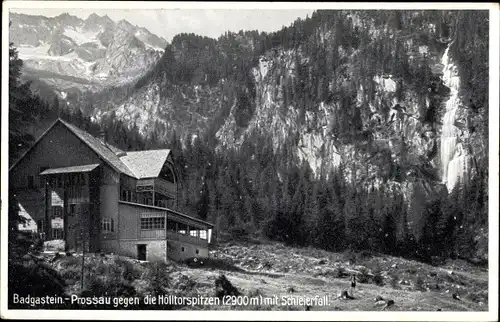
<point x="186" y="236"/>
<point x="156" y="192"/>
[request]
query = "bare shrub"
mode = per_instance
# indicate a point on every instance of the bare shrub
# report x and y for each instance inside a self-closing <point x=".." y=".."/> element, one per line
<point x="183" y="283"/>
<point x="157" y="274"/>
<point x="478" y="296"/>
<point x="394" y="280"/>
<point x="419" y="283"/>
<point x="104" y="278"/>
<point x="69" y="268"/>
<point x="340" y="272"/>
<point x="364" y="275"/>
<point x="109" y="285"/>
<point x="412" y="270"/>
<point x="255" y="293"/>
<point x="130" y="271"/>
<point x="337" y="272"/>
<point x="378" y="279"/>
<point x="376" y="276"/>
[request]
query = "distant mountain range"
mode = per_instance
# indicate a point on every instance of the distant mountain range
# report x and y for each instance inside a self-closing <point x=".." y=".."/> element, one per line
<point x="67" y="52"/>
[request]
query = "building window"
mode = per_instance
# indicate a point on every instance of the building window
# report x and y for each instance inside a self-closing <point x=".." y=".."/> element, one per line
<point x="193" y="232"/>
<point x="40" y="223"/>
<point x="126" y="195"/>
<point x="31" y="182"/>
<point x="171" y="225"/>
<point x="41" y="228"/>
<point x="182" y="228"/>
<point x="80" y="179"/>
<point x="153" y="223"/>
<point x="57" y="211"/>
<point x="107" y="225"/>
<point x="57" y="233"/>
<point x="75" y="180"/>
<point x="203" y="234"/>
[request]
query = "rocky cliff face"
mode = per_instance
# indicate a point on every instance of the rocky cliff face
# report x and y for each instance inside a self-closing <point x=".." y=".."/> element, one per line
<point x="69" y="53"/>
<point x="408" y="130"/>
<point x="399" y="149"/>
<point x="403" y="111"/>
<point x="282" y="121"/>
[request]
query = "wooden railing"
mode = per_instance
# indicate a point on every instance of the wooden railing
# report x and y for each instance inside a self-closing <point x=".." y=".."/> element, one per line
<point x="164" y="187"/>
<point x="152" y="234"/>
<point x="172" y="235"/>
<point x="161" y="186"/>
<point x="145" y="182"/>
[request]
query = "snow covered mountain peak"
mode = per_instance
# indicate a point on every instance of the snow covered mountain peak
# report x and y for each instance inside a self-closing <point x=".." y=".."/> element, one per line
<point x="66" y="51"/>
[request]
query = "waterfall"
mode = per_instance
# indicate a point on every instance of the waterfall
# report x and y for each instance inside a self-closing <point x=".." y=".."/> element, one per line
<point x="454" y="159"/>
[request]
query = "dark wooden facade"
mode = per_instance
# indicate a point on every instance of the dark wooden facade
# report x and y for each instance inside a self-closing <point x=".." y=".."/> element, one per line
<point x="94" y="196"/>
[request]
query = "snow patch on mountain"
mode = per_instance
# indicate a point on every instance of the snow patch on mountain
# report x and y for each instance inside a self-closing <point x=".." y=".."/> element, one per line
<point x="34" y="52"/>
<point x="81" y="37"/>
<point x="154" y="48"/>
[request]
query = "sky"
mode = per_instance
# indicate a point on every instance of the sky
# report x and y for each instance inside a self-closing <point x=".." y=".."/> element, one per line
<point x="169" y="22"/>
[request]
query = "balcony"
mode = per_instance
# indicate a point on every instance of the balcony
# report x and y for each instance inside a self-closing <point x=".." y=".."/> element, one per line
<point x="157" y="185"/>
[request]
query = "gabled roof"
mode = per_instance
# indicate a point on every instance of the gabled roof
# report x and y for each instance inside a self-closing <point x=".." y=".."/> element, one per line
<point x="136" y="164"/>
<point x="103" y="149"/>
<point x="145" y="164"/>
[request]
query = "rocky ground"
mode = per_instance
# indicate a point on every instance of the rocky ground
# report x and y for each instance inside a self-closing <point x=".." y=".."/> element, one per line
<point x="267" y="270"/>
